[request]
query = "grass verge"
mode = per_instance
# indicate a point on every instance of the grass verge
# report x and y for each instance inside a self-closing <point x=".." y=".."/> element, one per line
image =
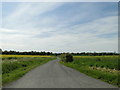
<point x="107" y="71"/>
<point x="14" y="69"/>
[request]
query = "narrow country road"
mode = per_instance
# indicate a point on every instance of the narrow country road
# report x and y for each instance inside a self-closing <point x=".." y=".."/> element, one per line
<point x="55" y="75"/>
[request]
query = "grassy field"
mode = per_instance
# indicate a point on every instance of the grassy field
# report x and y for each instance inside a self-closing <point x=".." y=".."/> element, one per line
<point x="15" y="66"/>
<point x="101" y="67"/>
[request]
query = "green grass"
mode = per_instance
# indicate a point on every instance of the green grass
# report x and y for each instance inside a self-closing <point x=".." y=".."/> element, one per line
<point x="101" y="67"/>
<point x="13" y="69"/>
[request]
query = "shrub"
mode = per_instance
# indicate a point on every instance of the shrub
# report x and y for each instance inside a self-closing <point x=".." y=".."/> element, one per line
<point x="67" y="57"/>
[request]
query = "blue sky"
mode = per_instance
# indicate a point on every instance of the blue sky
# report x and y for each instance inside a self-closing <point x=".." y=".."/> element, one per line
<point x="60" y="27"/>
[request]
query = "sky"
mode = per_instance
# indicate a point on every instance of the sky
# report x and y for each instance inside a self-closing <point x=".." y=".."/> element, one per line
<point x="59" y="26"/>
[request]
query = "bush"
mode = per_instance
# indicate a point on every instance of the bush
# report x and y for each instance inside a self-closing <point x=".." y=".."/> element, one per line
<point x="67" y="57"/>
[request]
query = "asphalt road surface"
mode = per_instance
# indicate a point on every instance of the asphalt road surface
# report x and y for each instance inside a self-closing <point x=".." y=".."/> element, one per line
<point x="55" y="75"/>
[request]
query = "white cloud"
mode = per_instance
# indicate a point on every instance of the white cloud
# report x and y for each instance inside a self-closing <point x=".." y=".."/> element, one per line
<point x="85" y="41"/>
<point x="61" y="1"/>
<point x="25" y="13"/>
<point x="21" y="31"/>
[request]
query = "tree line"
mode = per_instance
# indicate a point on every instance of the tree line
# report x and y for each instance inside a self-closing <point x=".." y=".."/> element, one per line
<point x="51" y="53"/>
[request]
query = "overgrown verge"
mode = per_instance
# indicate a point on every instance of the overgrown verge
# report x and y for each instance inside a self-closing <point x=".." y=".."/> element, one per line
<point x="101" y="67"/>
<point x="13" y="69"/>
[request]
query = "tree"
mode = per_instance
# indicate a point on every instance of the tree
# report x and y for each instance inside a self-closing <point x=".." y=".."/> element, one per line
<point x="67" y="57"/>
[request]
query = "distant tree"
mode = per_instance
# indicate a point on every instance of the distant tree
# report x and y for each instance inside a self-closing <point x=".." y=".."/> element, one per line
<point x="56" y="54"/>
<point x="0" y="51"/>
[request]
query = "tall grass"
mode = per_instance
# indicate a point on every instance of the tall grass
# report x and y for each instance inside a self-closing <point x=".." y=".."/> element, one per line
<point x="101" y="67"/>
<point x="15" y="67"/>
<point x="110" y="62"/>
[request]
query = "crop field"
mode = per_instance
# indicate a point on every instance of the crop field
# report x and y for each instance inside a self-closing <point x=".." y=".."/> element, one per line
<point x="105" y="68"/>
<point x="13" y="56"/>
<point x="15" y="66"/>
